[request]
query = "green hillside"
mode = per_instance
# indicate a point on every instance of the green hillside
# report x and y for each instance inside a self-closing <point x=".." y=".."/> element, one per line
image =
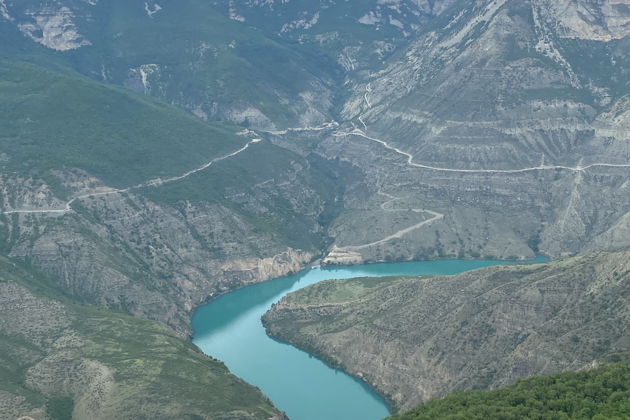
<point x="115" y="135"/>
<point x="598" y="394"/>
<point x="64" y="359"/>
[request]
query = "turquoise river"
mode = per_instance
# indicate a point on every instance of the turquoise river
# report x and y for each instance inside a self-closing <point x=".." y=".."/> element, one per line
<point x="229" y="329"/>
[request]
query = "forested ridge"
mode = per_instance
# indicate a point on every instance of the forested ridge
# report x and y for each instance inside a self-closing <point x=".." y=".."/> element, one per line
<point x="598" y="394"/>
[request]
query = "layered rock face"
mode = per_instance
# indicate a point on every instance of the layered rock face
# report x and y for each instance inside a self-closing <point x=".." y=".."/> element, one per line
<point x="147" y="259"/>
<point x="414" y="339"/>
<point x="498" y="118"/>
<point x="432" y="213"/>
<point x="504" y="85"/>
<point x="154" y="260"/>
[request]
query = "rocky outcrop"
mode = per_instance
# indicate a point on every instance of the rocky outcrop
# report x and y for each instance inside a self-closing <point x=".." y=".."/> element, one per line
<point x="288" y="262"/>
<point x="414" y="339"/>
<point x="599" y="21"/>
<point x="54" y="29"/>
<point x="150" y="259"/>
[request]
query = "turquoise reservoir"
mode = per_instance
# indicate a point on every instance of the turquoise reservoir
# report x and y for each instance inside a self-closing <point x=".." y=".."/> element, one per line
<point x="230" y="330"/>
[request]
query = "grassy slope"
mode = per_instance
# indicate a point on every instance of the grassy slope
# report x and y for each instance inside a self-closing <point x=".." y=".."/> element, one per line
<point x="154" y="373"/>
<point x="125" y="139"/>
<point x="113" y="134"/>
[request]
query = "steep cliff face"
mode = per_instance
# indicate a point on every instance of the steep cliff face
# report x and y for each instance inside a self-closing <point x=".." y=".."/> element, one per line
<point x="153" y="261"/>
<point x="419" y="338"/>
<point x="63" y="360"/>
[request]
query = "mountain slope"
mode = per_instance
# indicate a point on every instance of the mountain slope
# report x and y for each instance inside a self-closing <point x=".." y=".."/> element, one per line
<point x="356" y="34"/>
<point x="183" y="53"/>
<point x="594" y="394"/>
<point x="135" y="205"/>
<point x="61" y="360"/>
<point x="508" y="118"/>
<point x="120" y="138"/>
<point x="502" y="84"/>
<point x="415" y="339"/>
<point x="482" y="118"/>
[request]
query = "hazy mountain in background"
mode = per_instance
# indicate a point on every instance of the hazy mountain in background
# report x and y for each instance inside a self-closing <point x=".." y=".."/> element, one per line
<point x="185" y="54"/>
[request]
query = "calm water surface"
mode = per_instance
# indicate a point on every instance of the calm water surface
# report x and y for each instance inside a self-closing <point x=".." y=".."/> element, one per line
<point x="230" y="329"/>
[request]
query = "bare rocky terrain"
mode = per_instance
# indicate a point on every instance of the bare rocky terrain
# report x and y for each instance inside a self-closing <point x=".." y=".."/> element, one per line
<point x="418" y="338"/>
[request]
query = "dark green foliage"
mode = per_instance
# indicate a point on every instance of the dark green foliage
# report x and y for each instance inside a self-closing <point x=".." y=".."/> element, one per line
<point x="60" y="408"/>
<point x="602" y="393"/>
<point x="118" y="136"/>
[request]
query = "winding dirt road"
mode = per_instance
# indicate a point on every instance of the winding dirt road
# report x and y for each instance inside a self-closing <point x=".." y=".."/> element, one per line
<point x="410" y="160"/>
<point x="151" y="183"/>
<point x="350" y="252"/>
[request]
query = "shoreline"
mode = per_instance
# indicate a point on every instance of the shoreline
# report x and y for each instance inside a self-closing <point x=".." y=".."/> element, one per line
<point x="364" y="381"/>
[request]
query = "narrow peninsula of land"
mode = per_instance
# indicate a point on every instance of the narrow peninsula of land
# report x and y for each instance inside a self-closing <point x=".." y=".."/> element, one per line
<point x="417" y="338"/>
